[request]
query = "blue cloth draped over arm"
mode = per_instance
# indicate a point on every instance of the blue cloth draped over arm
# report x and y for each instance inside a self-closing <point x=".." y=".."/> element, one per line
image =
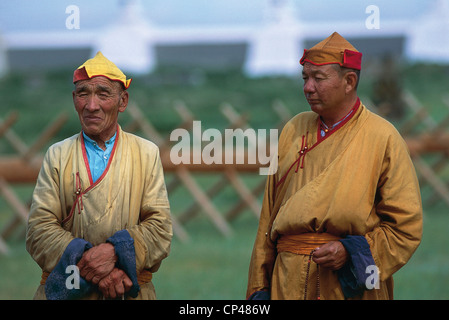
<point x="353" y="274"/>
<point x="126" y="258"/>
<point x="260" y="295"/>
<point x="56" y="287"/>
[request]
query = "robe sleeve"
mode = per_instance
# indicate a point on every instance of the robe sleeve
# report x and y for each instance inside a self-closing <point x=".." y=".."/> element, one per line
<point x="398" y="205"/>
<point x="46" y="240"/>
<point x="264" y="251"/>
<point x="126" y="258"/>
<point x="152" y="236"/>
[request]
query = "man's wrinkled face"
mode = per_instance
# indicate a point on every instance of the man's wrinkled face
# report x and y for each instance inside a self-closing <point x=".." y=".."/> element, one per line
<point x="98" y="102"/>
<point x="324" y="88"/>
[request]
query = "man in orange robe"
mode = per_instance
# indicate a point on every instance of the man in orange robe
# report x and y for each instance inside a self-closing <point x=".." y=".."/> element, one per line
<point x="343" y="211"/>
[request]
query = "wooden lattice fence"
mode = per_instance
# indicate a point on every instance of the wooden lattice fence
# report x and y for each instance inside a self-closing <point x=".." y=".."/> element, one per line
<point x="424" y="135"/>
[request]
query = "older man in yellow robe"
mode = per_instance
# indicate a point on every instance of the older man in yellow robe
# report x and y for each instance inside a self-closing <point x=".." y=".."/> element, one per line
<point x="343" y="211"/>
<point x="99" y="224"/>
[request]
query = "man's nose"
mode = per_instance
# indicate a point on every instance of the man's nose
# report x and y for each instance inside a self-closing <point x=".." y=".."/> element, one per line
<point x="92" y="104"/>
<point x="309" y="87"/>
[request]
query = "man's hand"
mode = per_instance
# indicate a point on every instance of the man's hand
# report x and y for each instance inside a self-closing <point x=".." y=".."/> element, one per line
<point x="331" y="255"/>
<point x="115" y="284"/>
<point x="97" y="262"/>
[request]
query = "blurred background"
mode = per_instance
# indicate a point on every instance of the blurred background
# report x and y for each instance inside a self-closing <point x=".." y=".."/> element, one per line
<point x="229" y="64"/>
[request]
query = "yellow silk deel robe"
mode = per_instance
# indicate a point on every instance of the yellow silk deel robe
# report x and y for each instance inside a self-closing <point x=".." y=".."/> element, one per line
<point x="131" y="195"/>
<point x="359" y="180"/>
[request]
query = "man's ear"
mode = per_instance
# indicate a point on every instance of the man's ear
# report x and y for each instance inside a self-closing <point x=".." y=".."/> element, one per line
<point x="351" y="81"/>
<point x="124" y="98"/>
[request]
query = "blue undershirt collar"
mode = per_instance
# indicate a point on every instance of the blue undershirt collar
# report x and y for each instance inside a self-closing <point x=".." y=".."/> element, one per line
<point x="97" y="157"/>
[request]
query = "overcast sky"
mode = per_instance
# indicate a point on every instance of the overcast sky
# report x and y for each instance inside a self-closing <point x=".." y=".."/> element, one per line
<point x="44" y="15"/>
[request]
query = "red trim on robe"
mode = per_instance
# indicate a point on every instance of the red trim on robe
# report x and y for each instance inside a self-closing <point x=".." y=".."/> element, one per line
<point x="80" y="193"/>
<point x="305" y="149"/>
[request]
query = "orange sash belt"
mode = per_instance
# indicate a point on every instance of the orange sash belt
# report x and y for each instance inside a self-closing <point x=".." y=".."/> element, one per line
<point x="144" y="277"/>
<point x="303" y="243"/>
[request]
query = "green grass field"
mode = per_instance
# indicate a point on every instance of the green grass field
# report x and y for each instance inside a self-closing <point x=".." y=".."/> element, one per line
<point x="210" y="266"/>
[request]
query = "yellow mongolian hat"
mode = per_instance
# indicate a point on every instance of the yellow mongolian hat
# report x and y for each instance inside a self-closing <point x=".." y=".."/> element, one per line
<point x="100" y="66"/>
<point x="333" y="49"/>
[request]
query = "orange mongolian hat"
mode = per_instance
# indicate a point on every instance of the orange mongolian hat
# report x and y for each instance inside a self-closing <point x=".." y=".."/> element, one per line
<point x="333" y="49"/>
<point x="100" y="66"/>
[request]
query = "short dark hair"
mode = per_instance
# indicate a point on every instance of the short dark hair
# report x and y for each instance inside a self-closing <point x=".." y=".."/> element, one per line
<point x="343" y="70"/>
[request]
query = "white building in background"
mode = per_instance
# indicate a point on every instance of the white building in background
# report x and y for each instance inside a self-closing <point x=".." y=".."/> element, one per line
<point x="130" y="41"/>
<point x="274" y="47"/>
